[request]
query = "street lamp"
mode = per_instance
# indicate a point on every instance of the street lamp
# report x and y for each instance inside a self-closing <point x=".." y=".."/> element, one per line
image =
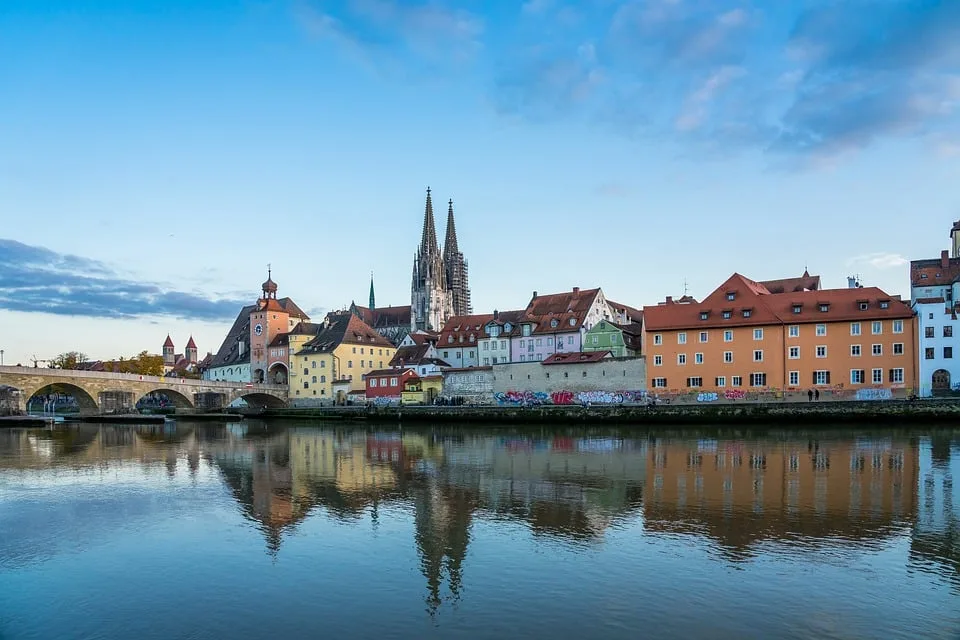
<point x="1" y="357"/>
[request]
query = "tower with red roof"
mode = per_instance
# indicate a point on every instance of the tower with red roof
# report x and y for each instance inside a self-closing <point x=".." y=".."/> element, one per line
<point x="169" y="358"/>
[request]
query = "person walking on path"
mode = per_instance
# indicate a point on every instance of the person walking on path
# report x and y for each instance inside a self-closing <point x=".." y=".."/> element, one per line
<point x="809" y="395"/>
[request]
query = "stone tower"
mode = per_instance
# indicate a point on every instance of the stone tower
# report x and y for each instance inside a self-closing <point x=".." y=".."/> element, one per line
<point x="430" y="300"/>
<point x="268" y="319"/>
<point x="191" y="352"/>
<point x="455" y="269"/>
<point x="168" y="356"/>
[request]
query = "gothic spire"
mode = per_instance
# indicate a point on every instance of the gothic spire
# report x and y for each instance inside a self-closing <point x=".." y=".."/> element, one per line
<point x="428" y="240"/>
<point x="450" y="242"/>
<point x="372" y="298"/>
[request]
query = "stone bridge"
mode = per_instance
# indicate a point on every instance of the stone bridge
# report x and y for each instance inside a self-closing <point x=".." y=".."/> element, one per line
<point x="102" y="392"/>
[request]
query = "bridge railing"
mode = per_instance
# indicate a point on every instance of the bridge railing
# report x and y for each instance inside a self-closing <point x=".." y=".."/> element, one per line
<point x="133" y="377"/>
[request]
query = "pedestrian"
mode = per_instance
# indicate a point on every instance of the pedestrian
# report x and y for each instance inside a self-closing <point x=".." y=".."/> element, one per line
<point x="809" y="395"/>
<point x="816" y="394"/>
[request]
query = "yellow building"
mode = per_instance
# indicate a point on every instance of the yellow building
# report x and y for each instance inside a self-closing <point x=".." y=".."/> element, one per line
<point x="423" y="390"/>
<point x="342" y="352"/>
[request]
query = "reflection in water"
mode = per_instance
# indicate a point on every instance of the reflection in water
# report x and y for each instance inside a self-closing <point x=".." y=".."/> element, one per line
<point x="738" y="496"/>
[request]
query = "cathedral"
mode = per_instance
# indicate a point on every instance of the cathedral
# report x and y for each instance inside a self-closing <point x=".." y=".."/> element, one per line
<point x="439" y="287"/>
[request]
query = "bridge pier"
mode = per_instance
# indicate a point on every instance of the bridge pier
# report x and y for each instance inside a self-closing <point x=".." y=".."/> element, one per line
<point x="12" y="402"/>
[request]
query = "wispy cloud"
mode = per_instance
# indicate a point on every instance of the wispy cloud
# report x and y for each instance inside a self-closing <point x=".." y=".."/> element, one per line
<point x="36" y="279"/>
<point x="806" y="84"/>
<point x="878" y="260"/>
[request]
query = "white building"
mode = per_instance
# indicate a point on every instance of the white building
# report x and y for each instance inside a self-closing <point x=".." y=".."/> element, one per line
<point x="934" y="290"/>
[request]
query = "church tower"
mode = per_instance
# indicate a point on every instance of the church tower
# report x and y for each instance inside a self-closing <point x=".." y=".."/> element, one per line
<point x="430" y="302"/>
<point x="191" y="352"/>
<point x="373" y="299"/>
<point x="455" y="269"/>
<point x="168" y="356"/>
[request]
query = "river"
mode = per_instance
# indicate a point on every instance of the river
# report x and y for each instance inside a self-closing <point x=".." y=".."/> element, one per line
<point x="254" y="530"/>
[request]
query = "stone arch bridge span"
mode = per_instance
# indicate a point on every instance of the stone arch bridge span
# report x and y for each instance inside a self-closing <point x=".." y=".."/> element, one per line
<point x="102" y="392"/>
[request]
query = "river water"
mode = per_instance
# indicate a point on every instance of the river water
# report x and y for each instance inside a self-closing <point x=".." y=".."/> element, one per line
<point x="250" y="530"/>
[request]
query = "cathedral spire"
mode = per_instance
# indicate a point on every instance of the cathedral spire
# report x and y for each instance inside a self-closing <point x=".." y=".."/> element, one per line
<point x="450" y="242"/>
<point x="373" y="304"/>
<point x="428" y="240"/>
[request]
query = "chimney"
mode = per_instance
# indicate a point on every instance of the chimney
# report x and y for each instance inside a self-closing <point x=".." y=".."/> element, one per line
<point x="496" y="314"/>
<point x="534" y="295"/>
<point x="944" y="259"/>
<point x="851" y="282"/>
<point x="669" y="299"/>
<point x="576" y="289"/>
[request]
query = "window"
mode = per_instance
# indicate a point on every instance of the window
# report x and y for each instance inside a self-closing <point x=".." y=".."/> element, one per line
<point x="550" y="341"/>
<point x="821" y="329"/>
<point x="948" y="352"/>
<point x="824" y="308"/>
<point x="736" y="381"/>
<point x="854" y="328"/>
<point x="797" y="308"/>
<point x="593" y="340"/>
<point x="728" y="336"/>
<point x="794" y="353"/>
<point x="660" y="383"/>
<point x="877" y="349"/>
<point x="306" y="371"/>
<point x="726" y="315"/>
<point x="857" y="376"/>
<point x="526" y="330"/>
<point x="698" y="358"/>
<point x="898" y="326"/>
<point x="758" y="355"/>
<point x="658" y="339"/>
<point x="877" y="376"/>
<point x="747" y="313"/>
<point x="948" y="331"/>
<point x="704" y="315"/>
<point x="928" y="332"/>
<point x="822" y="351"/>
<point x="657" y="361"/>
<point x="354" y="350"/>
<point x="898" y="348"/>
<point x="884" y="304"/>
<point x="863" y="305"/>
<point x="682" y="337"/>
<point x="703" y="336"/>
<point x="503" y="344"/>
<point x="855" y="350"/>
<point x="486" y="361"/>
<point x="313" y="379"/>
<point x="758" y="334"/>
<point x="721" y="381"/>
<point x="896" y="376"/>
<point x="349" y="364"/>
<point x="486" y="346"/>
<point x="323" y="379"/>
<point x="794" y="378"/>
<point x="731" y="295"/>
<point x="694" y="382"/>
<point x="373" y="382"/>
<point x="393" y="382"/>
<point x="821" y="377"/>
<point x="928" y="353"/>
<point x="728" y="356"/>
<point x="876" y="327"/>
<point x="758" y="379"/>
<point x="681" y="358"/>
<point x="793" y="331"/>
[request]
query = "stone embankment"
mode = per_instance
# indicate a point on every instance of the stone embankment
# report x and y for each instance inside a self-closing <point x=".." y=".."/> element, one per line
<point x="767" y="413"/>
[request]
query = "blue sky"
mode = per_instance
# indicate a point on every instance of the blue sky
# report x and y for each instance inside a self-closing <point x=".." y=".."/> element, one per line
<point x="156" y="155"/>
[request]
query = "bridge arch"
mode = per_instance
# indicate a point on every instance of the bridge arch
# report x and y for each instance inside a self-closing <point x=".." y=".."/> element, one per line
<point x="263" y="400"/>
<point x="86" y="402"/>
<point x="278" y="373"/>
<point x="176" y="398"/>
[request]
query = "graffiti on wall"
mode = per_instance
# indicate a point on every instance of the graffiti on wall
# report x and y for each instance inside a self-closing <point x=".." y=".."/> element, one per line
<point x="734" y="394"/>
<point x="384" y="401"/>
<point x="874" y="394"/>
<point x="570" y="397"/>
<point x="707" y="397"/>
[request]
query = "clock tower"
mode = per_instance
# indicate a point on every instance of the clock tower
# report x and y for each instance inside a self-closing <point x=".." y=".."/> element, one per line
<point x="268" y="319"/>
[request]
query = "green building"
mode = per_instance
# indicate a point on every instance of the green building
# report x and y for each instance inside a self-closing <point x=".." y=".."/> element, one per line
<point x="621" y="340"/>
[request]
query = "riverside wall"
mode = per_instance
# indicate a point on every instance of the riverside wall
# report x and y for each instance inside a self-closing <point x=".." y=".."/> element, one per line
<point x="805" y="413"/>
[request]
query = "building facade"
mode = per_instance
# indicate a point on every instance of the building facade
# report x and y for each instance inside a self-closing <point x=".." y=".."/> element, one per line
<point x="473" y="385"/>
<point x="556" y="323"/>
<point x="439" y="287"/>
<point x="848" y="343"/>
<point x="333" y="363"/>
<point x="385" y="386"/>
<point x="457" y="344"/>
<point x="622" y="341"/>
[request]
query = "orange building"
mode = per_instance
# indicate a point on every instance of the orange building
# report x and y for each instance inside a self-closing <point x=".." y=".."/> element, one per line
<point x="744" y="341"/>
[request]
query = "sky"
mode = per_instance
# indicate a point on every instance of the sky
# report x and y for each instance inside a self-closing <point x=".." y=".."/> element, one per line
<point x="157" y="155"/>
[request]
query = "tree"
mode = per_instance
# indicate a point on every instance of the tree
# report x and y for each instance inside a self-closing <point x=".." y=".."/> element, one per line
<point x="68" y="360"/>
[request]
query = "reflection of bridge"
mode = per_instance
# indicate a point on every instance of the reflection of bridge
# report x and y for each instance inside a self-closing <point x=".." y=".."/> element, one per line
<point x="102" y="392"/>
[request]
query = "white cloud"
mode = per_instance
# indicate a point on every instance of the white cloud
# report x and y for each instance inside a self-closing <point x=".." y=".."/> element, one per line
<point x="879" y="260"/>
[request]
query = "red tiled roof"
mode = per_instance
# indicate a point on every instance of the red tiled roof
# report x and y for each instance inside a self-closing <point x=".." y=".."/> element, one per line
<point x="191" y="344"/>
<point x="575" y="358"/>
<point x="633" y="314"/>
<point x="931" y="273"/>
<point x="388" y="373"/>
<point x="383" y="317"/>
<point x="806" y="282"/>
<point x="411" y="355"/>
<point x="424" y="337"/>
<point x="929" y="301"/>
<point x="168" y="342"/>
<point x="562" y="307"/>
<point x="773" y="308"/>
<point x="344" y="328"/>
<point x="503" y="318"/>
<point x="460" y="328"/>
<point x="461" y="369"/>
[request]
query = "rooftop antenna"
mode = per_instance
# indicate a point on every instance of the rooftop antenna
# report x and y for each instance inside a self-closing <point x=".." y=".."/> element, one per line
<point x="684" y="286"/>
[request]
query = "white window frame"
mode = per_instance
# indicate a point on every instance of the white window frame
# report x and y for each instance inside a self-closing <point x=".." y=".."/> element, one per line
<point x="898" y="344"/>
<point x="728" y="336"/>
<point x="682" y="337"/>
<point x="876" y="375"/>
<point x="721" y="381"/>
<point x="876" y="349"/>
<point x="681" y="359"/>
<point x="821" y="330"/>
<point x="758" y="355"/>
<point x="793" y="353"/>
<point x="820" y="377"/>
<point x="898" y="326"/>
<point x="736" y="381"/>
<point x="855" y="328"/>
<point x="758" y="334"/>
<point x="704" y="336"/>
<point x="658" y="360"/>
<point x="658" y="339"/>
<point x="824" y="352"/>
<point x="876" y="327"/>
<point x="794" y="378"/>
<point x="858" y="348"/>
<point x="793" y="331"/>
<point x="855" y="374"/>
<point x="698" y="358"/>
<point x="898" y="376"/>
<point x="659" y="383"/>
<point x="728" y="357"/>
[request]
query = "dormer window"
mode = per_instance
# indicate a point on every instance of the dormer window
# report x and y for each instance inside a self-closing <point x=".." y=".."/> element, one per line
<point x="554" y="323"/>
<point x="884" y="304"/>
<point x="526" y="330"/>
<point x="573" y="322"/>
<point x="797" y="308"/>
<point x="864" y="305"/>
<point x="472" y="338"/>
<point x="704" y="315"/>
<point x="747" y="313"/>
<point x="726" y="315"/>
<point x="923" y="276"/>
<point x="508" y="327"/>
<point x="731" y="295"/>
<point x="450" y="339"/>
<point x="824" y="307"/>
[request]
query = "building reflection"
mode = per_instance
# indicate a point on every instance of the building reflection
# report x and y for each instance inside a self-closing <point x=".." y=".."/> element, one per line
<point x="732" y="494"/>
